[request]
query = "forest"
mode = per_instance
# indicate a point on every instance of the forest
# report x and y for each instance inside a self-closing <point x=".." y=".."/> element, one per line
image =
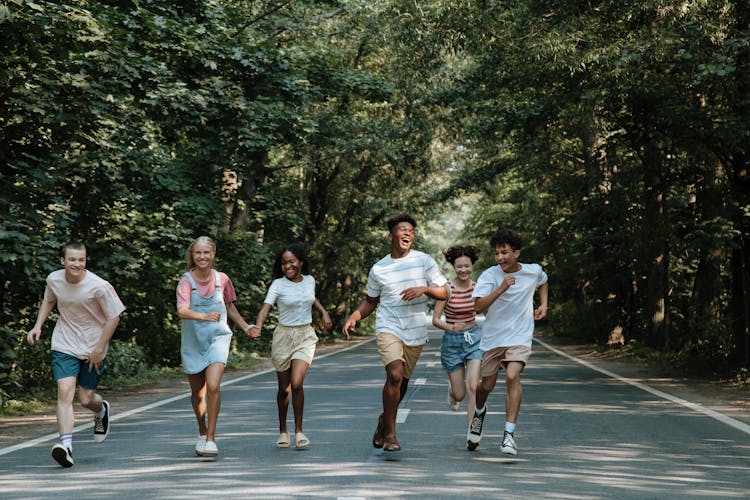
<point x="612" y="135"/>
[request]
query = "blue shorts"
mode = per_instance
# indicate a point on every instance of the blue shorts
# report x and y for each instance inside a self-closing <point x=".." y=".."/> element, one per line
<point x="455" y="350"/>
<point x="65" y="365"/>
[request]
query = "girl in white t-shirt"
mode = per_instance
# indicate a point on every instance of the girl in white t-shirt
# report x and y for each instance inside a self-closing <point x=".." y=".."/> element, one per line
<point x="294" y="339"/>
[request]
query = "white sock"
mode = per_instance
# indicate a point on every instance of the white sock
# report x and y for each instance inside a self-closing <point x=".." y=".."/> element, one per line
<point x="478" y="411"/>
<point x="510" y="427"/>
<point x="67" y="440"/>
<point x="101" y="412"/>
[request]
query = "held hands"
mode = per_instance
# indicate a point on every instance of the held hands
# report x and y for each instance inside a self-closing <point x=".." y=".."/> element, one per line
<point x="253" y="332"/>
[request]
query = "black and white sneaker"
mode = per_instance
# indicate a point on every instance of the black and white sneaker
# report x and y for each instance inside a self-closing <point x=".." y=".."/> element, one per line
<point x="475" y="430"/>
<point x="101" y="425"/>
<point x="62" y="455"/>
<point x="509" y="444"/>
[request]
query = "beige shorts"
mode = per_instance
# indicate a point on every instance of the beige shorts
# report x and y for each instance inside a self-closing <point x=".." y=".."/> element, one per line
<point x="392" y="348"/>
<point x="497" y="358"/>
<point x="292" y="342"/>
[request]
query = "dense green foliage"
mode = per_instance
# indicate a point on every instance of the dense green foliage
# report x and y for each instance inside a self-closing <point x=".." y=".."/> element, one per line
<point x="612" y="135"/>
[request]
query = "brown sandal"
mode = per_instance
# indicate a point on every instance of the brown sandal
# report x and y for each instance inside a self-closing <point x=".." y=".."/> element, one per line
<point x="378" y="439"/>
<point x="391" y="445"/>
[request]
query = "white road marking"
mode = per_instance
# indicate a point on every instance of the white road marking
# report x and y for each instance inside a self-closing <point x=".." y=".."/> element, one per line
<point x="156" y="404"/>
<point x="431" y="364"/>
<point x="402" y="415"/>
<point x="740" y="426"/>
<point x="419" y="381"/>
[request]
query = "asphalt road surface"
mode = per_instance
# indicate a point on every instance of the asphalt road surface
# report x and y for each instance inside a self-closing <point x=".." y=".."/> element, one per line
<point x="581" y="434"/>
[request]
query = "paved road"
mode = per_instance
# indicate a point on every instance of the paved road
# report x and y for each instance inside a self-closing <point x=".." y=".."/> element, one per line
<point x="581" y="435"/>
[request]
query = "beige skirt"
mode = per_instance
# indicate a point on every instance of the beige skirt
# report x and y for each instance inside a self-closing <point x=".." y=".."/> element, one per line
<point x="292" y="342"/>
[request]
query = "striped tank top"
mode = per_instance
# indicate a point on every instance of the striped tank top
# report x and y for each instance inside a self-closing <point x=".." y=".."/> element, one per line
<point x="459" y="308"/>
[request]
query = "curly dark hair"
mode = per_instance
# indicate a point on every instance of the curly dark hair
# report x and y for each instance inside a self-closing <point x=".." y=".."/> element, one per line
<point x="298" y="251"/>
<point x="457" y="251"/>
<point x="506" y="237"/>
<point x="393" y="221"/>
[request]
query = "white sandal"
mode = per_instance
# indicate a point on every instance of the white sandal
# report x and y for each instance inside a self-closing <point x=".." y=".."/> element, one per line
<point x="301" y="441"/>
<point x="283" y="440"/>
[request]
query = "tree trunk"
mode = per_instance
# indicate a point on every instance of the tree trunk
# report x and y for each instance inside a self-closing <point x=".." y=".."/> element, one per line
<point x="255" y="175"/>
<point x="655" y="231"/>
<point x="707" y="285"/>
<point x="740" y="299"/>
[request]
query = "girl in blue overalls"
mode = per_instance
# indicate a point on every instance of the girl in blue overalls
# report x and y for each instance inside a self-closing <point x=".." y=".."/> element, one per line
<point x="205" y="298"/>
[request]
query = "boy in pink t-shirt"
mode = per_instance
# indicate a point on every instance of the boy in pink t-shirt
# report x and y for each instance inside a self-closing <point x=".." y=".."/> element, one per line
<point x="89" y="311"/>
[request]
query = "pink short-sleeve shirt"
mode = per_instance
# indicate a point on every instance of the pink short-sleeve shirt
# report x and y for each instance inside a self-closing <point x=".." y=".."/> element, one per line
<point x="205" y="289"/>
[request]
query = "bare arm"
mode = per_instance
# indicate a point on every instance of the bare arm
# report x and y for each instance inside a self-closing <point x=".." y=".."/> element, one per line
<point x="44" y="309"/>
<point x="96" y="356"/>
<point x="481" y="304"/>
<point x="541" y="311"/>
<point x="433" y="292"/>
<point x="363" y="310"/>
<point x="185" y="312"/>
<point x="236" y="317"/>
<point x="254" y="331"/>
<point x="327" y="323"/>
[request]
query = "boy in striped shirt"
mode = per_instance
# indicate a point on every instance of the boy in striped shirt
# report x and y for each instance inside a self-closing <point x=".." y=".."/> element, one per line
<point x="399" y="285"/>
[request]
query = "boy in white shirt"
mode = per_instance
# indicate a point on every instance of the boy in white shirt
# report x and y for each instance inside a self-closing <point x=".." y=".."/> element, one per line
<point x="399" y="285"/>
<point x="506" y="293"/>
<point x="89" y="311"/>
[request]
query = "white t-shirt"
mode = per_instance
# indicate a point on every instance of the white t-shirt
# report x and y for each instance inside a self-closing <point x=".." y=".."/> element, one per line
<point x="387" y="279"/>
<point x="294" y="300"/>
<point x="510" y="319"/>
<point x="83" y="309"/>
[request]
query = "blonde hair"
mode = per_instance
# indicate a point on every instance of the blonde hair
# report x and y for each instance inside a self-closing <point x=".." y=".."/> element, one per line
<point x="200" y="240"/>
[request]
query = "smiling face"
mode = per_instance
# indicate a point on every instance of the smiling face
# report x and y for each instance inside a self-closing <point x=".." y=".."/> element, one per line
<point x="203" y="256"/>
<point x="402" y="237"/>
<point x="463" y="267"/>
<point x="74" y="263"/>
<point x="507" y="258"/>
<point x="291" y="266"/>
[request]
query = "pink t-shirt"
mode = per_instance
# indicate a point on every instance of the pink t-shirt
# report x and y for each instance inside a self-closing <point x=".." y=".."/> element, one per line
<point x="205" y="289"/>
<point x="83" y="309"/>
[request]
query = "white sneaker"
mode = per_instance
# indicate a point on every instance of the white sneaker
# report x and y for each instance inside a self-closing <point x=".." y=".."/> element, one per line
<point x="101" y="425"/>
<point x="509" y="444"/>
<point x="200" y="446"/>
<point x="62" y="455"/>
<point x="211" y="449"/>
<point x="474" y="435"/>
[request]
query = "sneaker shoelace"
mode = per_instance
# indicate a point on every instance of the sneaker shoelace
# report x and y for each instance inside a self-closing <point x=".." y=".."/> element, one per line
<point x="98" y="425"/>
<point x="476" y="425"/>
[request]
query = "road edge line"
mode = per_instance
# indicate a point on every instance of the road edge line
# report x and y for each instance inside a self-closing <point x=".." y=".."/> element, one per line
<point x="156" y="404"/>
<point x="736" y="424"/>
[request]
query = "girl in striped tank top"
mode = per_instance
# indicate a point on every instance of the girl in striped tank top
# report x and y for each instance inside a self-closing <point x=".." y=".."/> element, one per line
<point x="459" y="352"/>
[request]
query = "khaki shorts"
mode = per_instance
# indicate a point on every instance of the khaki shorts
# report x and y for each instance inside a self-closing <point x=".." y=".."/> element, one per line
<point x="392" y="348"/>
<point x="497" y="358"/>
<point x="292" y="342"/>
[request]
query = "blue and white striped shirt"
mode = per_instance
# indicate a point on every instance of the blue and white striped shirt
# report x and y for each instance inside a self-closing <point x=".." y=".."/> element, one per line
<point x="387" y="279"/>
